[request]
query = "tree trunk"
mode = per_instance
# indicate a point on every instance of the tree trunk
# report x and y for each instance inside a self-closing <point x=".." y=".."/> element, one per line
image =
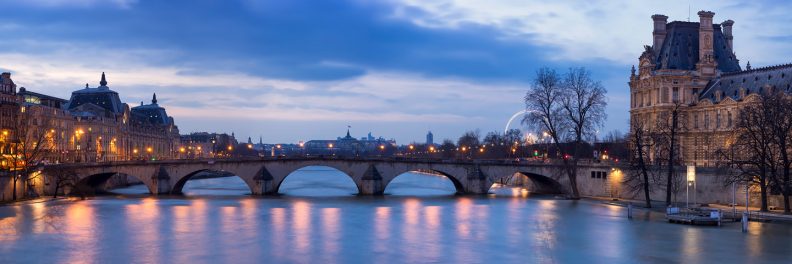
<point x="763" y="193"/>
<point x="670" y="176"/>
<point x="642" y="165"/>
<point x="572" y="175"/>
<point x="672" y="140"/>
<point x="14" y="188"/>
<point x="646" y="189"/>
<point x="57" y="185"/>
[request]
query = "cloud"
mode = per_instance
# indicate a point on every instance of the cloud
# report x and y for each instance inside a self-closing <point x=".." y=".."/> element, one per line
<point x="613" y="31"/>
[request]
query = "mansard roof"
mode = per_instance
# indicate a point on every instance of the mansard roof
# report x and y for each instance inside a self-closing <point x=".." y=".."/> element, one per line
<point x="680" y="49"/>
<point x="151" y="113"/>
<point x="753" y="80"/>
<point x="101" y="96"/>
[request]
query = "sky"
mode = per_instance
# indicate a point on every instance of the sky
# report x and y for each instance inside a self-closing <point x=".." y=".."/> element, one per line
<point x="304" y="69"/>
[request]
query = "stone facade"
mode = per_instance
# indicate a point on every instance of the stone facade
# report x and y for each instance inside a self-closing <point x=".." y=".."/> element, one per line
<point x="692" y="65"/>
<point x="93" y="126"/>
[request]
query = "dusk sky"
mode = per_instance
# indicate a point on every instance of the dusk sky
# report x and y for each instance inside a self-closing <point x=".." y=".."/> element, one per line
<point x="291" y="70"/>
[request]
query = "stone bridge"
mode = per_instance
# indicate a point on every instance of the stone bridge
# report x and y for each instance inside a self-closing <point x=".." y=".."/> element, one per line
<point x="371" y="176"/>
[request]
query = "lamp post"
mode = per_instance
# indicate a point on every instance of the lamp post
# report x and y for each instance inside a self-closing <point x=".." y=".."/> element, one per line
<point x="691" y="181"/>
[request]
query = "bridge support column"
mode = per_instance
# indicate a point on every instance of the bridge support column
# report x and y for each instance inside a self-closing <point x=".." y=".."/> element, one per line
<point x="161" y="182"/>
<point x="371" y="182"/>
<point x="476" y="181"/>
<point x="264" y="183"/>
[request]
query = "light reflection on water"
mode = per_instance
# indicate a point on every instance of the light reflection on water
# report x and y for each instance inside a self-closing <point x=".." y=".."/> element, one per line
<point x="436" y="227"/>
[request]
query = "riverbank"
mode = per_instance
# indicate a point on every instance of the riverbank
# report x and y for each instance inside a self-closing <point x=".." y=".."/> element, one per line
<point x="660" y="207"/>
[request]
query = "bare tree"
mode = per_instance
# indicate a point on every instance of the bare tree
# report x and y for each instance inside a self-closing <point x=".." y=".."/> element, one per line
<point x="669" y="126"/>
<point x="65" y="179"/>
<point x="448" y="148"/>
<point x="640" y="142"/>
<point x="778" y="105"/>
<point x="567" y="109"/>
<point x="584" y="106"/>
<point x="33" y="140"/>
<point x="468" y="141"/>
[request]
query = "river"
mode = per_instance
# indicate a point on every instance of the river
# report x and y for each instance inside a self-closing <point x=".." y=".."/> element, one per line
<point x="320" y="220"/>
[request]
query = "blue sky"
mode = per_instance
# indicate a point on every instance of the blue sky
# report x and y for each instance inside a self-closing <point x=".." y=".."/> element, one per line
<point x="299" y="69"/>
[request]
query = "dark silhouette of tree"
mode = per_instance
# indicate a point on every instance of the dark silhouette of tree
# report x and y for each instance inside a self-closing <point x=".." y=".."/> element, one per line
<point x="66" y="179"/>
<point x="33" y="139"/>
<point x="568" y="109"/>
<point x="448" y="148"/>
<point x="640" y="143"/>
<point x="778" y="105"/>
<point x="468" y="141"/>
<point x="667" y="130"/>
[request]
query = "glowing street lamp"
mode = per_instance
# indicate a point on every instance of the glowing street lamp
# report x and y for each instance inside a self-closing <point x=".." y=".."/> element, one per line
<point x="691" y="181"/>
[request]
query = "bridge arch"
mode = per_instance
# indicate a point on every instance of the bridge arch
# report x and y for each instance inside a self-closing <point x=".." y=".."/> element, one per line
<point x="339" y="169"/>
<point x="178" y="186"/>
<point x="459" y="188"/>
<point x="96" y="183"/>
<point x="535" y="182"/>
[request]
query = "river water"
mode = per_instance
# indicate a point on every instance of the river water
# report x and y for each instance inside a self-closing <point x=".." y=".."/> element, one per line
<point x="319" y="220"/>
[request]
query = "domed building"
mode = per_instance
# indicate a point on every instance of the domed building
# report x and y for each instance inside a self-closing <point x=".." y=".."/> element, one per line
<point x="95" y="125"/>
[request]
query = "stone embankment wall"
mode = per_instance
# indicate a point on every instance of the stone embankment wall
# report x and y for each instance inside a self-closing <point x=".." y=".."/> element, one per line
<point x="711" y="187"/>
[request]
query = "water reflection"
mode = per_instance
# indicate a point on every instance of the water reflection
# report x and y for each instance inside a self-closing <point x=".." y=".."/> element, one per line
<point x="142" y="227"/>
<point x="347" y="229"/>
<point x="83" y="230"/>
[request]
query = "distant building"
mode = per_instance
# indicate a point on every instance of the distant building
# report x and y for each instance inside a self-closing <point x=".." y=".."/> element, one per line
<point x="429" y="138"/>
<point x="207" y="145"/>
<point x="346" y="146"/>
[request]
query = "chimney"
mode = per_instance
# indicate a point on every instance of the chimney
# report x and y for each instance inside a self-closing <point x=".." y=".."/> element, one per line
<point x="727" y="32"/>
<point x="706" y="64"/>
<point x="659" y="32"/>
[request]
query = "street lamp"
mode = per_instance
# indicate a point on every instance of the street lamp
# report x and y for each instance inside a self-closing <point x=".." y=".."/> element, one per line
<point x="691" y="181"/>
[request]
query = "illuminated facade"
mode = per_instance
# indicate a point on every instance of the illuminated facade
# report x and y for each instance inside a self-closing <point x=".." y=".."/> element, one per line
<point x="692" y="65"/>
<point x="93" y="125"/>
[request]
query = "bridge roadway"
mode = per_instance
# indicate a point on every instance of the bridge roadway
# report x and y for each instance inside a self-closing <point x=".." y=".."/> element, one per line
<point x="265" y="175"/>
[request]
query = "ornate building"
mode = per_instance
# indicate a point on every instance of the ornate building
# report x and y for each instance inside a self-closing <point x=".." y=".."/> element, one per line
<point x="93" y="125"/>
<point x="691" y="66"/>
